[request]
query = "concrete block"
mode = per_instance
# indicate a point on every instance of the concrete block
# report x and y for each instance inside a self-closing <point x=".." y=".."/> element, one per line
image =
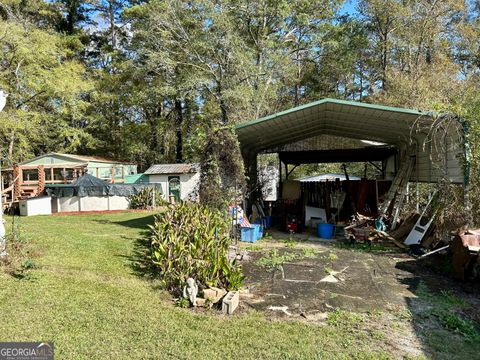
<point x="219" y="292"/>
<point x="201" y="302"/>
<point x="230" y="302"/>
<point x="214" y="294"/>
<point x="210" y="294"/>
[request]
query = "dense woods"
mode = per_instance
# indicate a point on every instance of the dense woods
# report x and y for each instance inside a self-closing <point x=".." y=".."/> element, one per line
<point x="152" y="81"/>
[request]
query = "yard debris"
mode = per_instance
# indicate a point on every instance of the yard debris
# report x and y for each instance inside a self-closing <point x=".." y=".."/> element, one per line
<point x="270" y="294"/>
<point x="283" y="309"/>
<point x="333" y="277"/>
<point x="443" y="248"/>
<point x="329" y="279"/>
<point x="368" y="229"/>
<point x="466" y="259"/>
<point x="317" y="316"/>
<point x="402" y="231"/>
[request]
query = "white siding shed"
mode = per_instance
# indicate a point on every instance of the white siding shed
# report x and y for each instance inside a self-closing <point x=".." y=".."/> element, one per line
<point x="180" y="180"/>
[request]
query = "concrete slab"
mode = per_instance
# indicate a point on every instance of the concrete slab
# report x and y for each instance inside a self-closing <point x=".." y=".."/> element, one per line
<point x="333" y="278"/>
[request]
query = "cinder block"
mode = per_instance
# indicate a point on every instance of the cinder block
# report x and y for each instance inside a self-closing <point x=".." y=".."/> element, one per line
<point x="201" y="302"/>
<point x="214" y="294"/>
<point x="219" y="292"/>
<point x="230" y="302"/>
<point x="210" y="294"/>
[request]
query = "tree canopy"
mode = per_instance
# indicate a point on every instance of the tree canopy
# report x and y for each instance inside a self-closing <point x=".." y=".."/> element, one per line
<point x="153" y="81"/>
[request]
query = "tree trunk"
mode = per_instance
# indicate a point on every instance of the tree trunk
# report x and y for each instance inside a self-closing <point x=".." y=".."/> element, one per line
<point x="223" y="108"/>
<point x="10" y="148"/>
<point x="178" y="130"/>
<point x="111" y="17"/>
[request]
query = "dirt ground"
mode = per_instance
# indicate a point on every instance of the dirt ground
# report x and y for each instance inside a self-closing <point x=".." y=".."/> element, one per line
<point x="305" y="278"/>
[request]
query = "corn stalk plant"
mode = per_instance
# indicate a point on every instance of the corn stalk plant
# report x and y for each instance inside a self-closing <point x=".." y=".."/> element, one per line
<point x="191" y="240"/>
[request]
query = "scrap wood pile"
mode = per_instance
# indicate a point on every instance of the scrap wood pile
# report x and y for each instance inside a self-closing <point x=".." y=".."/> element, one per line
<point x="369" y="230"/>
<point x="416" y="232"/>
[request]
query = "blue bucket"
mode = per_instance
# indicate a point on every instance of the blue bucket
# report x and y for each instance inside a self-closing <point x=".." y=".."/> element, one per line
<point x="325" y="231"/>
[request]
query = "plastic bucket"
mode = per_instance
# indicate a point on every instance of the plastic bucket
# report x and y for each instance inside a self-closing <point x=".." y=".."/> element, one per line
<point x="325" y="231"/>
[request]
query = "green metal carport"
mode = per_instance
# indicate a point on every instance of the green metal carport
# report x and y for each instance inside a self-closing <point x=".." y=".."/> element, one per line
<point x="436" y="141"/>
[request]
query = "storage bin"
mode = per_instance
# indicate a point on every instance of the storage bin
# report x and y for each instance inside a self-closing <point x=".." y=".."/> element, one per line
<point x="258" y="231"/>
<point x="248" y="234"/>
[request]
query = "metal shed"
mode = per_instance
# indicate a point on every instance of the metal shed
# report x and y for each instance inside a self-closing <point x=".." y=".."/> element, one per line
<point x="436" y="141"/>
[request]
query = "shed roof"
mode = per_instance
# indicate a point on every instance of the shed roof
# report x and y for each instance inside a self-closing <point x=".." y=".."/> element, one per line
<point x="333" y="117"/>
<point x="159" y="169"/>
<point x="75" y="158"/>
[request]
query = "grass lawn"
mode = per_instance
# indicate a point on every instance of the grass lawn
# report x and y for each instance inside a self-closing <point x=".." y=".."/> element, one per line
<point x="85" y="295"/>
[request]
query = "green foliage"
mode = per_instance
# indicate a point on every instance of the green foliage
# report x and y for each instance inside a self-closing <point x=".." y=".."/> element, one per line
<point x="18" y="260"/>
<point x="46" y="106"/>
<point x="182" y="302"/>
<point x="190" y="240"/>
<point x="290" y="243"/>
<point x="133" y="312"/>
<point x="254" y="248"/>
<point x="309" y="253"/>
<point x="146" y="198"/>
<point x="340" y="317"/>
<point x="331" y="256"/>
<point x="158" y="81"/>
<point x="328" y="270"/>
<point x="448" y="309"/>
<point x="222" y="174"/>
<point x="273" y="260"/>
<point x="458" y="323"/>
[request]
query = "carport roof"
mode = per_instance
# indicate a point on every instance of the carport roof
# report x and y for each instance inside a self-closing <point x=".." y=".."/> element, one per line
<point x="351" y="119"/>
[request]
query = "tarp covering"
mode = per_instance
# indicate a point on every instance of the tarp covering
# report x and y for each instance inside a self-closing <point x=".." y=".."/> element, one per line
<point x="89" y="185"/>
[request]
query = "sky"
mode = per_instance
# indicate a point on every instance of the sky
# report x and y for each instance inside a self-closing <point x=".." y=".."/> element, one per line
<point x="349" y="7"/>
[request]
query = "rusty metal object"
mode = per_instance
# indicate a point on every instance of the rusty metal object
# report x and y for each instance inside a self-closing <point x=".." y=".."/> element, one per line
<point x="465" y="255"/>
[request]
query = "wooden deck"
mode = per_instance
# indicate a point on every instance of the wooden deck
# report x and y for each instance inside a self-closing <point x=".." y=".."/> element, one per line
<point x="27" y="181"/>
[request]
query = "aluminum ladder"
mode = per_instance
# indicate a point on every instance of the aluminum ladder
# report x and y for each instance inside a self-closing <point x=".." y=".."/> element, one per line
<point x="398" y="190"/>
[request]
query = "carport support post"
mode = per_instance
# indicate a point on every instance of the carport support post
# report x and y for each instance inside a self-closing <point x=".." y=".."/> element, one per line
<point x="280" y="181"/>
<point x="252" y="188"/>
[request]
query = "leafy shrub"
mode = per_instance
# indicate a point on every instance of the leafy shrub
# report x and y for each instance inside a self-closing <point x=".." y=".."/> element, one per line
<point x="145" y="198"/>
<point x="191" y="240"/>
<point x="18" y="260"/>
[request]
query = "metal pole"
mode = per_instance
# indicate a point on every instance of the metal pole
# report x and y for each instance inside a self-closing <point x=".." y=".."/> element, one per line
<point x="3" y="244"/>
<point x="154" y="203"/>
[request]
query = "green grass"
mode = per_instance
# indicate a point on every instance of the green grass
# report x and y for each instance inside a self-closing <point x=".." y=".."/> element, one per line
<point x="365" y="247"/>
<point x="444" y="317"/>
<point x="86" y="294"/>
